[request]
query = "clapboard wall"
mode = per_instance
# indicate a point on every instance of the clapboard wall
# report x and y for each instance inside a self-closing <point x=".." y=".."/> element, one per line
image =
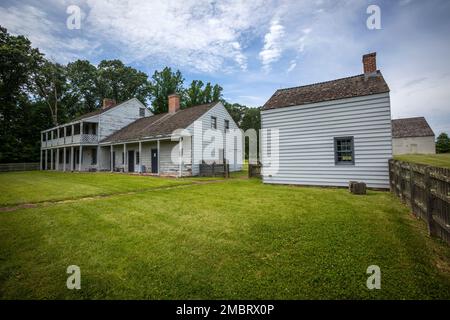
<point x="306" y="141"/>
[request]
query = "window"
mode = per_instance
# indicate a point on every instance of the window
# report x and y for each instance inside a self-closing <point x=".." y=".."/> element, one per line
<point x="61" y="132"/>
<point x="68" y="131"/>
<point x="67" y="156"/>
<point x="94" y="156"/>
<point x="344" y="152"/>
<point x="213" y="122"/>
<point x="76" y="129"/>
<point x="123" y="158"/>
<point x="86" y="128"/>
<point x="141" y="112"/>
<point x="94" y="129"/>
<point x="227" y="125"/>
<point x="137" y="157"/>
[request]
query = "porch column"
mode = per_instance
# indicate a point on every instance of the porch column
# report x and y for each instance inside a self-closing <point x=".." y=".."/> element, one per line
<point x="125" y="162"/>
<point x="180" y="154"/>
<point x="98" y="158"/>
<point x="111" y="158"/>
<point x="40" y="159"/>
<point x="51" y="159"/>
<point x="46" y="159"/>
<point x="64" y="157"/>
<point x="80" y="158"/>
<point x="158" y="147"/>
<point x="71" y="158"/>
<point x="57" y="158"/>
<point x="140" y="157"/>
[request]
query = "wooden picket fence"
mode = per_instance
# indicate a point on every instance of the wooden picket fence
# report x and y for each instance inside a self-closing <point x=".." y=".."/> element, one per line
<point x="426" y="190"/>
<point x="215" y="170"/>
<point x="28" y="166"/>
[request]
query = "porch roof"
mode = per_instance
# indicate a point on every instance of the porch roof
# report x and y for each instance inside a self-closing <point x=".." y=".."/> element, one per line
<point x="159" y="125"/>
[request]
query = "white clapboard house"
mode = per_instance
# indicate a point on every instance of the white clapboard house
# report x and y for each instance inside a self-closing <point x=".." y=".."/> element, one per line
<point x="330" y="133"/>
<point x="127" y="137"/>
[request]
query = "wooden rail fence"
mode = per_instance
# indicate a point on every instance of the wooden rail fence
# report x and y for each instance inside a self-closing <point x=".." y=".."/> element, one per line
<point x="29" y="166"/>
<point x="426" y="190"/>
<point x="214" y="170"/>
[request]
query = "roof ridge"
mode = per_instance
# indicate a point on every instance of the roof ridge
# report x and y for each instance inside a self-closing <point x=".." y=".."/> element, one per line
<point x="324" y="82"/>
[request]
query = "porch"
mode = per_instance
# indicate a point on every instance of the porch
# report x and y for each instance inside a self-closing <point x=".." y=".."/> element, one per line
<point x="158" y="157"/>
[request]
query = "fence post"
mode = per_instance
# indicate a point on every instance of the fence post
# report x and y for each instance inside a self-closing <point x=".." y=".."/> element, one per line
<point x="411" y="186"/>
<point x="429" y="201"/>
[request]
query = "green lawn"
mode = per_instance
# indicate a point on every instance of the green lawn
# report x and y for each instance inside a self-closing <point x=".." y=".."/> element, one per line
<point x="437" y="160"/>
<point x="233" y="239"/>
<point x="38" y="186"/>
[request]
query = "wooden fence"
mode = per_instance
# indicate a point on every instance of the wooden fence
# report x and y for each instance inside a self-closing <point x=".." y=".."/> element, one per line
<point x="29" y="166"/>
<point x="426" y="190"/>
<point x="254" y="170"/>
<point x="215" y="170"/>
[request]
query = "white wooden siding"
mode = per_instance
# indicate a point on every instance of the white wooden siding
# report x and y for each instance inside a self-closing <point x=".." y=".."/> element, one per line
<point x="221" y="113"/>
<point x="119" y="117"/>
<point x="306" y="135"/>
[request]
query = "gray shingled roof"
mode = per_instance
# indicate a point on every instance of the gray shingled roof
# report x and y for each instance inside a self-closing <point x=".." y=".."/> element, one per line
<point x="356" y="86"/>
<point x="159" y="125"/>
<point x="96" y="112"/>
<point x="411" y="127"/>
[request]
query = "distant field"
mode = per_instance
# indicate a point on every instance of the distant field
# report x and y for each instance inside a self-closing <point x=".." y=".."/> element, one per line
<point x="437" y="160"/>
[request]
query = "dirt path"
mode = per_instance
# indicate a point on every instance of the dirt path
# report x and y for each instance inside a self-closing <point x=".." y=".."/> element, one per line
<point x="102" y="196"/>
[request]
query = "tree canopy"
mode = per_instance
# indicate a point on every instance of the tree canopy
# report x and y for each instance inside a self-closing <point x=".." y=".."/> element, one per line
<point x="37" y="93"/>
<point x="443" y="143"/>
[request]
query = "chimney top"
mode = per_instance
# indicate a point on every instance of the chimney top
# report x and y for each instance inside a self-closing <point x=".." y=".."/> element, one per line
<point x="108" y="103"/>
<point x="370" y="63"/>
<point x="174" y="102"/>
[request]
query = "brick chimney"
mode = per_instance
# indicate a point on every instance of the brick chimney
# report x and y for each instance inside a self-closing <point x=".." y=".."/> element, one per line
<point x="174" y="103"/>
<point x="108" y="103"/>
<point x="370" y="63"/>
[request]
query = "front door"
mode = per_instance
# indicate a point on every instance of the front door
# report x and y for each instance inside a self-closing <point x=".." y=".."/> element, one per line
<point x="131" y="161"/>
<point x="154" y="160"/>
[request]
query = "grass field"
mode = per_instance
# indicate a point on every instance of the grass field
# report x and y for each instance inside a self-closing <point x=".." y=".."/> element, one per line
<point x="437" y="160"/>
<point x="229" y="239"/>
<point x="39" y="186"/>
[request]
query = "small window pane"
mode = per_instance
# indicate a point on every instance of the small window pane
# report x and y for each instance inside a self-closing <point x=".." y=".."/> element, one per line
<point x="344" y="150"/>
<point x="214" y="122"/>
<point x="227" y="125"/>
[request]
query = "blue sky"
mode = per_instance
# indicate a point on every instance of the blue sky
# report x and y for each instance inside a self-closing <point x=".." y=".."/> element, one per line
<point x="252" y="48"/>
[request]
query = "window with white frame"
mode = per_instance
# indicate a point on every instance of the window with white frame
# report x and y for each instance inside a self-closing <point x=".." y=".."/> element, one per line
<point x="213" y="122"/>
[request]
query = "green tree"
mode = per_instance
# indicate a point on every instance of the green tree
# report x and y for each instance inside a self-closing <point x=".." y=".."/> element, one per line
<point x="195" y="94"/>
<point x="18" y="63"/>
<point x="50" y="86"/>
<point x="120" y="82"/>
<point x="443" y="143"/>
<point x="163" y="84"/>
<point x="83" y="87"/>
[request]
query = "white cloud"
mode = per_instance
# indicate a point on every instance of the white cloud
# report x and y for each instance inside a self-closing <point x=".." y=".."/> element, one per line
<point x="272" y="49"/>
<point x="45" y="33"/>
<point x="292" y="66"/>
<point x="199" y="35"/>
